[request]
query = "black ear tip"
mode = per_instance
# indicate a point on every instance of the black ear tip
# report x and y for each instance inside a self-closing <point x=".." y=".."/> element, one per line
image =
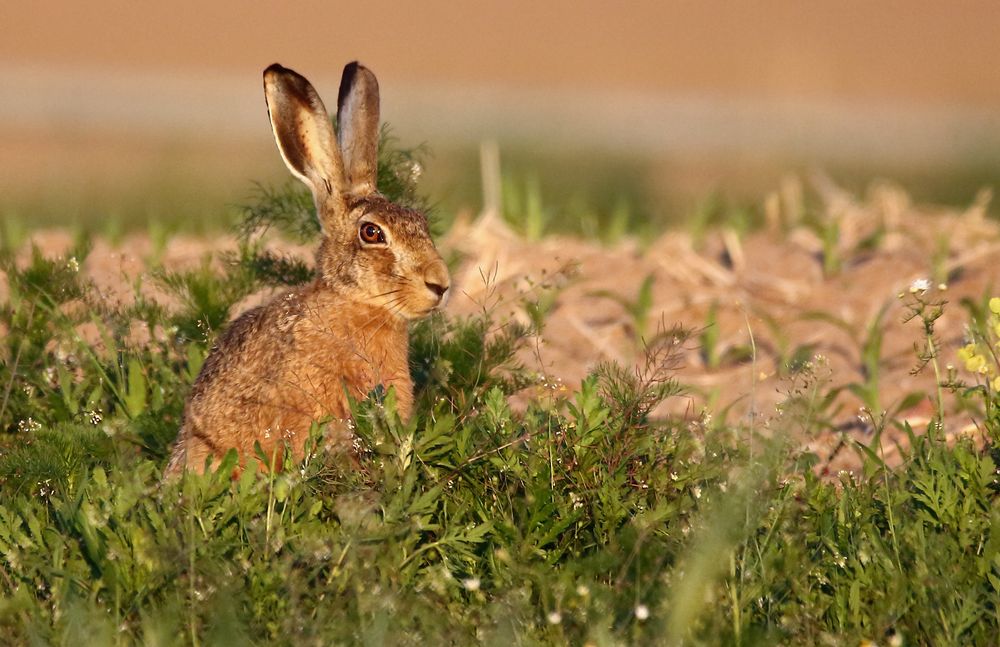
<point x="278" y="70"/>
<point x="274" y="68"/>
<point x="289" y="82"/>
<point x="352" y="72"/>
<point x="347" y="80"/>
<point x="354" y="68"/>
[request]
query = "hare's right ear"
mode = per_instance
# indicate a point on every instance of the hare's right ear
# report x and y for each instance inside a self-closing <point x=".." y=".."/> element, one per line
<point x="357" y="127"/>
<point x="305" y="137"/>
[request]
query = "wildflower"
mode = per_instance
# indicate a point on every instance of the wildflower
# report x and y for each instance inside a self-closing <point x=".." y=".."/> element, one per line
<point x="641" y="612"/>
<point x="920" y="285"/>
<point x="72" y="264"/>
<point x="28" y="425"/>
<point x="583" y="590"/>
<point x="995" y="305"/>
<point x="974" y="361"/>
<point x="554" y="618"/>
<point x="416" y="170"/>
<point x="471" y="584"/>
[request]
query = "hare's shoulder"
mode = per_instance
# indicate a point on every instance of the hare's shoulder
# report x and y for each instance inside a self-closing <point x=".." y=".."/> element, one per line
<point x="260" y="336"/>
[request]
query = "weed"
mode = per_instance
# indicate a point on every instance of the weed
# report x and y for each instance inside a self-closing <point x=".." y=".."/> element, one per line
<point x="928" y="309"/>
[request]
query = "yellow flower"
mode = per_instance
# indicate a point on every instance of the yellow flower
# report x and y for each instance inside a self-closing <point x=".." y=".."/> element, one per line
<point x="975" y="364"/>
<point x="995" y="305"/>
<point x="996" y="384"/>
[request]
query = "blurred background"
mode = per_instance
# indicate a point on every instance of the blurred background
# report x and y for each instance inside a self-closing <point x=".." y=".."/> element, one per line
<point x="116" y="111"/>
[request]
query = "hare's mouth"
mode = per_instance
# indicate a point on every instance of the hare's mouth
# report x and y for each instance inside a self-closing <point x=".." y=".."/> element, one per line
<point x="426" y="309"/>
<point x="411" y="302"/>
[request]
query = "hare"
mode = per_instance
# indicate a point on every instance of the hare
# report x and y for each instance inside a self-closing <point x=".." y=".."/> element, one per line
<point x="299" y="357"/>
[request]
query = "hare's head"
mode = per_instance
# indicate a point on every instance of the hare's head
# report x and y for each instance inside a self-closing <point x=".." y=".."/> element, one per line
<point x="373" y="251"/>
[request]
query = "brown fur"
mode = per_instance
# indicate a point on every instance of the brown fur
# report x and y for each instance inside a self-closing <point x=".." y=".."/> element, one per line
<point x="295" y="360"/>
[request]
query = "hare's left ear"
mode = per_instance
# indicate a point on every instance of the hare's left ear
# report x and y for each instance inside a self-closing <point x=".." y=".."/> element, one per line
<point x="305" y="138"/>
<point x="357" y="128"/>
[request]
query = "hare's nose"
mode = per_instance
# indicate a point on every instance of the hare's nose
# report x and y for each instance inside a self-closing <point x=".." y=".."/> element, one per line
<point x="436" y="288"/>
<point x="436" y="279"/>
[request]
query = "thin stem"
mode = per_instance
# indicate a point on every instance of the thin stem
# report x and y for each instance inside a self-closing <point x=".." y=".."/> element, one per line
<point x="937" y="378"/>
<point x="14" y="365"/>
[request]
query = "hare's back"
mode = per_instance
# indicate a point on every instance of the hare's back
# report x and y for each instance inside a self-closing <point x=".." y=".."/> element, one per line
<point x="252" y="347"/>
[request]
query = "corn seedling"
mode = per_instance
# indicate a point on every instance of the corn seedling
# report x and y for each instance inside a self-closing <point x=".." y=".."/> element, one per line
<point x="638" y="308"/>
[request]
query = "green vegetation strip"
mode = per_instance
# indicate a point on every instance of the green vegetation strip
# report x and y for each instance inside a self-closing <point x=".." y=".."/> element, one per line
<point x="579" y="519"/>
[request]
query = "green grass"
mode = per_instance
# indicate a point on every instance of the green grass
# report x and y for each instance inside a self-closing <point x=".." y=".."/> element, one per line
<point x="580" y="518"/>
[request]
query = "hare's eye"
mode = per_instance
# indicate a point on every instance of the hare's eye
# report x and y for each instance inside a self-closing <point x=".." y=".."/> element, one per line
<point x="371" y="233"/>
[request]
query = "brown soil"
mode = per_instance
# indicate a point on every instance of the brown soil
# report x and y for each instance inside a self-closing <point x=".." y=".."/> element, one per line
<point x="768" y="288"/>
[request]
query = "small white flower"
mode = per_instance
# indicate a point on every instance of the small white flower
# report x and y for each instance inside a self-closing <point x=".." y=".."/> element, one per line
<point x="471" y="584"/>
<point x="554" y="618"/>
<point x="29" y="425"/>
<point x="583" y="590"/>
<point x="641" y="612"/>
<point x="72" y="264"/>
<point x="920" y="285"/>
<point x="416" y="170"/>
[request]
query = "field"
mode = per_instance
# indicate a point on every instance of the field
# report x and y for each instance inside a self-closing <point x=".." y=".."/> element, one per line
<point x="770" y="424"/>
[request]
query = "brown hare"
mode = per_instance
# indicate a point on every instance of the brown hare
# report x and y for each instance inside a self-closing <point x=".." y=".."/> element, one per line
<point x="296" y="359"/>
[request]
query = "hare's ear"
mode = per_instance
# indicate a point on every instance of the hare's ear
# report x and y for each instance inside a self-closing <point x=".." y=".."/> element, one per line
<point x="357" y="127"/>
<point x="305" y="137"/>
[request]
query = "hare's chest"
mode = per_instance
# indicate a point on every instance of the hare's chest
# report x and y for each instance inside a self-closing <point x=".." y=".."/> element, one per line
<point x="326" y="364"/>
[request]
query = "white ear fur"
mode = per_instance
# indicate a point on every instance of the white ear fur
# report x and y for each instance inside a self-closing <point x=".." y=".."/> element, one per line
<point x="305" y="137"/>
<point x="357" y="126"/>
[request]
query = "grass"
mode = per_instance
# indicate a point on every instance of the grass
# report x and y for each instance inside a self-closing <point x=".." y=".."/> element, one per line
<point x="580" y="518"/>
